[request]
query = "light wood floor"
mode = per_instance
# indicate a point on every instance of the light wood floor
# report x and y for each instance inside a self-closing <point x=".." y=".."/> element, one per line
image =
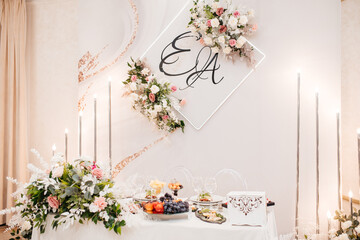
<point x="4" y="236"/>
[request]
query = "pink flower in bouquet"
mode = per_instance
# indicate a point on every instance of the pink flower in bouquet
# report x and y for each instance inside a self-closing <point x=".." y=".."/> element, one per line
<point x="222" y="29"/>
<point x="254" y="27"/>
<point x="173" y="88"/>
<point x="232" y="42"/>
<point x="100" y="203"/>
<point x="182" y="102"/>
<point x="147" y="79"/>
<point x="53" y="202"/>
<point x="133" y="78"/>
<point x="202" y="41"/>
<point x="97" y="172"/>
<point x="165" y="117"/>
<point x="208" y="23"/>
<point x="219" y="11"/>
<point x="152" y="97"/>
<point x="236" y="13"/>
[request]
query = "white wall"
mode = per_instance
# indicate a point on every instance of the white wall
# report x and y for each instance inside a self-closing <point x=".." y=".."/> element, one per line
<point x="350" y="98"/>
<point x="254" y="132"/>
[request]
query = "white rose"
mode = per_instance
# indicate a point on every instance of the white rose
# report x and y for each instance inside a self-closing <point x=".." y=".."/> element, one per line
<point x="157" y="108"/>
<point x="154" y="89"/>
<point x="346" y="224"/>
<point x="153" y="114"/>
<point x="133" y="86"/>
<point x="145" y="71"/>
<point x="208" y="41"/>
<point x="221" y="39"/>
<point x="203" y="27"/>
<point x="93" y="208"/>
<point x="215" y="22"/>
<point x="332" y="233"/>
<point x="193" y="29"/>
<point x="243" y="20"/>
<point x="251" y="13"/>
<point x="134" y="96"/>
<point x="194" y="15"/>
<point x="215" y="49"/>
<point x="227" y="50"/>
<point x="25" y="226"/>
<point x="343" y="236"/>
<point x="240" y="42"/>
<point x="233" y="22"/>
<point x="58" y="172"/>
<point x="357" y="229"/>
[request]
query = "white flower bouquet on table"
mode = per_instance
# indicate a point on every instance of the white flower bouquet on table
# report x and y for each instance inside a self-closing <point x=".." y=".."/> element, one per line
<point x="223" y="28"/>
<point x="70" y="192"/>
<point x="349" y="226"/>
<point x="153" y="97"/>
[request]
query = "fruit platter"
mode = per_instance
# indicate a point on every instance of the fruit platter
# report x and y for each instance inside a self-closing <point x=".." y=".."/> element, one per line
<point x="166" y="207"/>
<point x="210" y="216"/>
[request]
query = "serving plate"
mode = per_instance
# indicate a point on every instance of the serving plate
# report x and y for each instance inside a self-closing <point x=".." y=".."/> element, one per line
<point x="215" y="200"/>
<point x="203" y="218"/>
<point x="161" y="216"/>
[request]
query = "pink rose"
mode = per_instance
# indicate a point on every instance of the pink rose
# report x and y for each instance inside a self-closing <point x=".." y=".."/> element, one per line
<point x="133" y="78"/>
<point x="236" y="13"/>
<point x="254" y="27"/>
<point x="53" y="202"/>
<point x="202" y="41"/>
<point x="219" y="11"/>
<point x="232" y="42"/>
<point x="173" y="88"/>
<point x="165" y="117"/>
<point x="208" y="23"/>
<point x="147" y="79"/>
<point x="97" y="172"/>
<point x="182" y="102"/>
<point x="100" y="203"/>
<point x="152" y="97"/>
<point x="222" y="29"/>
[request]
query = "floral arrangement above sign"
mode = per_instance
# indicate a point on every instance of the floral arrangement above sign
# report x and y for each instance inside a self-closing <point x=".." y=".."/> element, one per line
<point x="152" y="97"/>
<point x="223" y="28"/>
<point x="67" y="192"/>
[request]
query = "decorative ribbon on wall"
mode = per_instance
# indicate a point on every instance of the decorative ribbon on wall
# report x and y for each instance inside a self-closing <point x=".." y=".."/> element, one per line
<point x="121" y="165"/>
<point x="89" y="62"/>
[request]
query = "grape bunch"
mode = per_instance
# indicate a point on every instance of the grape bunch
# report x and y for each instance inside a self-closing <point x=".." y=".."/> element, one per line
<point x="172" y="207"/>
<point x="166" y="198"/>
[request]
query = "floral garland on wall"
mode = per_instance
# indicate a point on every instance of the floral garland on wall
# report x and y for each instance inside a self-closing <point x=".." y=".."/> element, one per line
<point x="68" y="192"/>
<point x="223" y="28"/>
<point x="152" y="97"/>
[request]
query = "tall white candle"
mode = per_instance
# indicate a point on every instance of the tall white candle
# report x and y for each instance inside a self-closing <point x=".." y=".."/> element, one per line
<point x="297" y="158"/>
<point x="358" y="142"/>
<point x="338" y="160"/>
<point x="53" y="149"/>
<point x="95" y="129"/>
<point x="317" y="163"/>
<point x="351" y="203"/>
<point x="110" y="152"/>
<point x="66" y="145"/>
<point x="80" y="132"/>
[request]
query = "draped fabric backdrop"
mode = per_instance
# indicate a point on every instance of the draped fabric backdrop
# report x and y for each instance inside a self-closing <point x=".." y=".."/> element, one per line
<point x="13" y="93"/>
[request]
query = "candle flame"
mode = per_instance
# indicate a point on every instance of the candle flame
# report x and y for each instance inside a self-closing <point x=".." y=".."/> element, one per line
<point x="66" y="131"/>
<point x="328" y="214"/>
<point x="298" y="71"/>
<point x="95" y="96"/>
<point x="109" y="78"/>
<point x="53" y="147"/>
<point x="350" y="194"/>
<point x="316" y="91"/>
<point x="358" y="131"/>
<point x="80" y="113"/>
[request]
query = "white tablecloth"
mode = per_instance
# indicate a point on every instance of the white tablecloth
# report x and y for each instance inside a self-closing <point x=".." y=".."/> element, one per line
<point x="191" y="228"/>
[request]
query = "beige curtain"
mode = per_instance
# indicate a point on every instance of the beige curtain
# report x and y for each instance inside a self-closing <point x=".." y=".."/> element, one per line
<point x="13" y="98"/>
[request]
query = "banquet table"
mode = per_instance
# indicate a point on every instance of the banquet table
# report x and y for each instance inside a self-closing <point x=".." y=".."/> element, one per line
<point x="179" y="229"/>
